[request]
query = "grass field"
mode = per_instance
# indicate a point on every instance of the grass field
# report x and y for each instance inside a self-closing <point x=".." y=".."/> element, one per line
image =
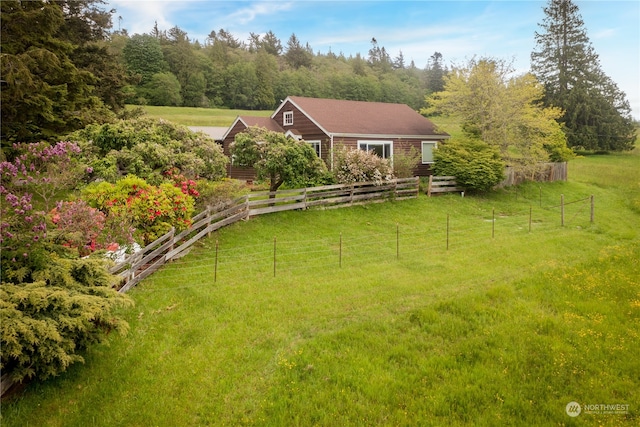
<point x="513" y="321"/>
<point x="191" y="116"/>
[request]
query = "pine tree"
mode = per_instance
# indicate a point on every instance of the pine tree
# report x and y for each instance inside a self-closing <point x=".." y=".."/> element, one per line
<point x="597" y="115"/>
<point x="435" y="73"/>
<point x="46" y="93"/>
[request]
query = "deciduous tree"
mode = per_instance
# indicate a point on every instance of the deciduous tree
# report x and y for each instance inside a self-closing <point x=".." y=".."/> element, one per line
<point x="277" y="158"/>
<point x="502" y="110"/>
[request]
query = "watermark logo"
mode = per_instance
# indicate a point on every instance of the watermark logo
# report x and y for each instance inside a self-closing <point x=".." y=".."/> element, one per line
<point x="573" y="409"/>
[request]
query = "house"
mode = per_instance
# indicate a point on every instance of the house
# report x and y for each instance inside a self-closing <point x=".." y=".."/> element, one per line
<point x="327" y="124"/>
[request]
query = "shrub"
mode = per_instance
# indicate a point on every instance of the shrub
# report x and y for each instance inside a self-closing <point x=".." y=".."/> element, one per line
<point x="213" y="193"/>
<point x="148" y="148"/>
<point x="152" y="210"/>
<point x="47" y="324"/>
<point x="405" y="162"/>
<point x="37" y="172"/>
<point x="475" y="164"/>
<point x="52" y="304"/>
<point x="361" y="166"/>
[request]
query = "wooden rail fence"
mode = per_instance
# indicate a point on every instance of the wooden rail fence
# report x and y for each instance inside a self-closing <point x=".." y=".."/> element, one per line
<point x="174" y="245"/>
<point x="443" y="184"/>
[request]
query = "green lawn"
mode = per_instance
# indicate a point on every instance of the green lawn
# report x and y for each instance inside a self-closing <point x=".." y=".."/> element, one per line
<point x="391" y="327"/>
<point x="191" y="116"/>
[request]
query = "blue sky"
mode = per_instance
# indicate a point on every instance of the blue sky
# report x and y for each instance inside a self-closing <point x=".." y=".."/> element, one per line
<point x="457" y="29"/>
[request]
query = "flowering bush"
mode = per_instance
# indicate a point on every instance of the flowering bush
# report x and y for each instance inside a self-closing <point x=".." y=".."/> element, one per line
<point x="52" y="304"/>
<point x="187" y="186"/>
<point x="361" y="166"/>
<point x="148" y="148"/>
<point x="37" y="169"/>
<point x="152" y="210"/>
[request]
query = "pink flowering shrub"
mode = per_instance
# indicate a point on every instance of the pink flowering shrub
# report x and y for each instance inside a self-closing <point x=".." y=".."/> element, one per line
<point x="361" y="166"/>
<point x="43" y="170"/>
<point x="53" y="304"/>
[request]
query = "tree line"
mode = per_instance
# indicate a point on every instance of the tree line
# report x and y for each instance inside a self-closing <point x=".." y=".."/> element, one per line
<point x="171" y="69"/>
<point x="63" y="68"/>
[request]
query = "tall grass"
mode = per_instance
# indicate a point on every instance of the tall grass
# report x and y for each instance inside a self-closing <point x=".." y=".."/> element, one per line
<point x="502" y="330"/>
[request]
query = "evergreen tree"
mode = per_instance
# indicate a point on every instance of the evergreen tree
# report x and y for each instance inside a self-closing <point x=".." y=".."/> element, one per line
<point x="435" y="73"/>
<point x="297" y="56"/>
<point x="597" y="115"/>
<point x="45" y="94"/>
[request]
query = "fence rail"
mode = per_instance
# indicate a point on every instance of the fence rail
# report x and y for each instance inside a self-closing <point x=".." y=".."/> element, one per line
<point x="174" y="245"/>
<point x="545" y="172"/>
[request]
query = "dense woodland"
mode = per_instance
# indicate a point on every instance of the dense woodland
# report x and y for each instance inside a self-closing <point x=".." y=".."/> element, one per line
<point x="171" y="69"/>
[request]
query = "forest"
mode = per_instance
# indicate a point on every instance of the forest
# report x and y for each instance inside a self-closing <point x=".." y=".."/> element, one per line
<point x="171" y="69"/>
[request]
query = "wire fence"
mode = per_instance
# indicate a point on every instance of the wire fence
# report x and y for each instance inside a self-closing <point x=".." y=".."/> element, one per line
<point x="349" y="248"/>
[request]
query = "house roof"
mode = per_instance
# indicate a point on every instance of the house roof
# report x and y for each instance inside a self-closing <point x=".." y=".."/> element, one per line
<point x="343" y="117"/>
<point x="215" y="132"/>
<point x="265" y="122"/>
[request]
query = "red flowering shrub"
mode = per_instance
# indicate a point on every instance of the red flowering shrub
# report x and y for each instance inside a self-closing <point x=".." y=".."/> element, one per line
<point x="152" y="210"/>
<point x="187" y="186"/>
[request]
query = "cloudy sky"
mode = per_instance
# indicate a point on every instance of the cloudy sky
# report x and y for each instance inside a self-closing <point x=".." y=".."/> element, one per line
<point x="457" y="29"/>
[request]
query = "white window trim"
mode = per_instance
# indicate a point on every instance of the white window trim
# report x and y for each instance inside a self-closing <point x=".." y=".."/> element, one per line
<point x="435" y="145"/>
<point x="287" y="118"/>
<point x="366" y="143"/>
<point x="319" y="142"/>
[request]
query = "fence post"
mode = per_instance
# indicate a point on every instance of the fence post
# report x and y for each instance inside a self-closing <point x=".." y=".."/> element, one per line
<point x="493" y="223"/>
<point x="209" y="208"/>
<point x="593" y="209"/>
<point x="397" y="241"/>
<point x="562" y="210"/>
<point x="447" y="231"/>
<point x="215" y="268"/>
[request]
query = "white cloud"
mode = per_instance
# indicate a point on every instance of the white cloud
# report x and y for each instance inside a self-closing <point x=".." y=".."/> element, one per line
<point x="249" y="14"/>
<point x="140" y="16"/>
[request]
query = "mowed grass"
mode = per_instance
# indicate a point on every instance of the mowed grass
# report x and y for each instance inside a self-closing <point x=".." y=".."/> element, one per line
<point x="191" y="116"/>
<point x="368" y="319"/>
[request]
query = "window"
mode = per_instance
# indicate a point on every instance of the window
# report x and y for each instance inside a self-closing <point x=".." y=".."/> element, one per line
<point x="427" y="151"/>
<point x="316" y="146"/>
<point x="287" y="119"/>
<point x="383" y="149"/>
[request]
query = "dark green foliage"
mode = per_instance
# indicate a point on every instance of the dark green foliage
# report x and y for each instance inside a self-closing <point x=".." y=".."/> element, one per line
<point x="143" y="57"/>
<point x="475" y="164"/>
<point x="225" y="72"/>
<point x="162" y="89"/>
<point x="52" y="64"/>
<point x="48" y="323"/>
<point x="435" y="73"/>
<point x="148" y="148"/>
<point x="597" y="115"/>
